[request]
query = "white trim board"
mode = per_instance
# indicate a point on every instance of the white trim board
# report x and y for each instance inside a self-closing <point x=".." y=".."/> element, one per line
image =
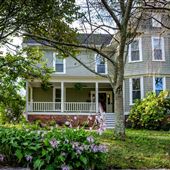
<point x="59" y="113"/>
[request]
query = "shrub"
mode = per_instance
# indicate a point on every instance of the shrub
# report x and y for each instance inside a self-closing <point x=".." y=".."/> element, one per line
<point x="11" y="111"/>
<point x="55" y="149"/>
<point x="150" y="112"/>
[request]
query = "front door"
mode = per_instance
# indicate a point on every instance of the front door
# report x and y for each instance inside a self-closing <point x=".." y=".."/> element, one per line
<point x="105" y="100"/>
<point x="102" y="101"/>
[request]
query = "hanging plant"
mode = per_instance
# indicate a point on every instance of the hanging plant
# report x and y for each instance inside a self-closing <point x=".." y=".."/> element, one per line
<point x="78" y="86"/>
<point x="45" y="86"/>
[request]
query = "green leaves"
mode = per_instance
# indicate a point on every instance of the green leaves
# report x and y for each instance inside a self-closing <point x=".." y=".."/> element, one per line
<point x="150" y="113"/>
<point x="25" y="147"/>
<point x="14" y="70"/>
<point x="84" y="160"/>
<point x="38" y="164"/>
<point x="19" y="154"/>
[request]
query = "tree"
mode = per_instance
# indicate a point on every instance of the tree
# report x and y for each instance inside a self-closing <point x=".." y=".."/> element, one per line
<point x="120" y="19"/>
<point x="14" y="71"/>
<point x="17" y="17"/>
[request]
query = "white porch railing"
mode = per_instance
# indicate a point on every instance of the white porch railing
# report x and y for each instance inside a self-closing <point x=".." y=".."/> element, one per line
<point x="44" y="106"/>
<point x="56" y="107"/>
<point x="79" y="107"/>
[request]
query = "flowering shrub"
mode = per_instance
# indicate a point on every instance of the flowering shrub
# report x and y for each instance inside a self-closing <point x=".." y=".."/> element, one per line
<point x="56" y="149"/>
<point x="150" y="112"/>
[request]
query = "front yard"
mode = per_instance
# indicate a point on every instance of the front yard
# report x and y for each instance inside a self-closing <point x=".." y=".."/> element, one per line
<point x="142" y="149"/>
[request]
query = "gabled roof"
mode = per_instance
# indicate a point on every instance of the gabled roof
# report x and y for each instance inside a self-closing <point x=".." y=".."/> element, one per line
<point x="97" y="39"/>
<point x="91" y="39"/>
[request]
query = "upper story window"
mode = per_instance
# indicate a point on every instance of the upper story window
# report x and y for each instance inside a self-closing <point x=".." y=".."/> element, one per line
<point x="101" y="65"/>
<point x="135" y="51"/>
<point x="59" y="64"/>
<point x="158" y="53"/>
<point x="136" y="89"/>
<point x="158" y="84"/>
<point x="156" y="20"/>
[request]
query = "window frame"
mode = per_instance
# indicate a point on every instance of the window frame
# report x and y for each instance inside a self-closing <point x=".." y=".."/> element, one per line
<point x="140" y="51"/>
<point x="131" y="89"/>
<point x="162" y="48"/>
<point x="54" y="64"/>
<point x="106" y="67"/>
<point x="163" y="80"/>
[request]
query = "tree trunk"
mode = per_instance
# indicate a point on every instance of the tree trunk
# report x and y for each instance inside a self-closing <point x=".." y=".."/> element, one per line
<point x="119" y="110"/>
<point x="118" y="91"/>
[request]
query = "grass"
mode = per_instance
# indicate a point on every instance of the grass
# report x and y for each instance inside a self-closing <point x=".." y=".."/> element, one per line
<point x="142" y="149"/>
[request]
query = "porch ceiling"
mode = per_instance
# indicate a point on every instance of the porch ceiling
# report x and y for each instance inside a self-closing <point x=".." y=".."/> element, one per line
<point x="70" y="85"/>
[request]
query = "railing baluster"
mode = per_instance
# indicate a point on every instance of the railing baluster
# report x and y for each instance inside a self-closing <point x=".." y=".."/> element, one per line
<point x="68" y="106"/>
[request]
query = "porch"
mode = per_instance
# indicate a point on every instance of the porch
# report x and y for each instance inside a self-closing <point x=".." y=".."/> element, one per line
<point x="69" y="97"/>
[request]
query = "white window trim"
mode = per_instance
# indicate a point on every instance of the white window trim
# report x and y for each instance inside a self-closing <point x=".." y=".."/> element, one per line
<point x="140" y="51"/>
<point x="164" y="82"/>
<point x="106" y="66"/>
<point x="162" y="48"/>
<point x="54" y="62"/>
<point x="141" y="88"/>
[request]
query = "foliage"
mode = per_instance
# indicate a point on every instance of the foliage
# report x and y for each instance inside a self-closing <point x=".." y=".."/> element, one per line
<point x="142" y="149"/>
<point x="14" y="70"/>
<point x="31" y="15"/>
<point x="55" y="149"/>
<point x="150" y="112"/>
<point x="12" y="111"/>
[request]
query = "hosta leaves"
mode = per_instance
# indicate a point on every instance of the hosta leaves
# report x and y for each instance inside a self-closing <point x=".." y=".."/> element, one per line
<point x="19" y="154"/>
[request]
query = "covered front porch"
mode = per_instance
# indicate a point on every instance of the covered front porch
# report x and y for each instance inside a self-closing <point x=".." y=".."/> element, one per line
<point x="70" y="98"/>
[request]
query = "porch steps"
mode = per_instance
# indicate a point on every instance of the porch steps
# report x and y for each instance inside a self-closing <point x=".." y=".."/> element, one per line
<point x="110" y="120"/>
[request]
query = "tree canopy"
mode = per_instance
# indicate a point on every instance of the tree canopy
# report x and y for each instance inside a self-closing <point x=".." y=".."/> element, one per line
<point x="18" y="17"/>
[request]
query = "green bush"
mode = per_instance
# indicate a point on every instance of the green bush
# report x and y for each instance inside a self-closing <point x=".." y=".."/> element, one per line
<point x="55" y="149"/>
<point x="150" y="112"/>
<point x="12" y="111"/>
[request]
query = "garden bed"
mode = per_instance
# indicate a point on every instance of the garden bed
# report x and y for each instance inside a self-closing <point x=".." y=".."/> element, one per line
<point x="58" y="148"/>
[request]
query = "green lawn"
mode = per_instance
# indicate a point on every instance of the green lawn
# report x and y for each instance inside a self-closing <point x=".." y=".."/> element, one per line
<point x="142" y="149"/>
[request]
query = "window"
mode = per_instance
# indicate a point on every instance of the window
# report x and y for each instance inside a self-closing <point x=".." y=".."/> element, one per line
<point x="135" y="51"/>
<point x="59" y="64"/>
<point x="158" y="49"/>
<point x="136" y="89"/>
<point x="57" y="95"/>
<point x="101" y="66"/>
<point x="158" y="84"/>
<point x="156" y="20"/>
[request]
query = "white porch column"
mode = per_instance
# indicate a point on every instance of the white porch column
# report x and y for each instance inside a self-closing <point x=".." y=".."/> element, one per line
<point x="31" y="99"/>
<point x="27" y="100"/>
<point x="62" y="96"/>
<point x="97" y="97"/>
<point x="31" y="94"/>
<point x="53" y="98"/>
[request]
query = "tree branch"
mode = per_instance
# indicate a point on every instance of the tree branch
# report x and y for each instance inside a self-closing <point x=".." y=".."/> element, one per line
<point x="111" y="13"/>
